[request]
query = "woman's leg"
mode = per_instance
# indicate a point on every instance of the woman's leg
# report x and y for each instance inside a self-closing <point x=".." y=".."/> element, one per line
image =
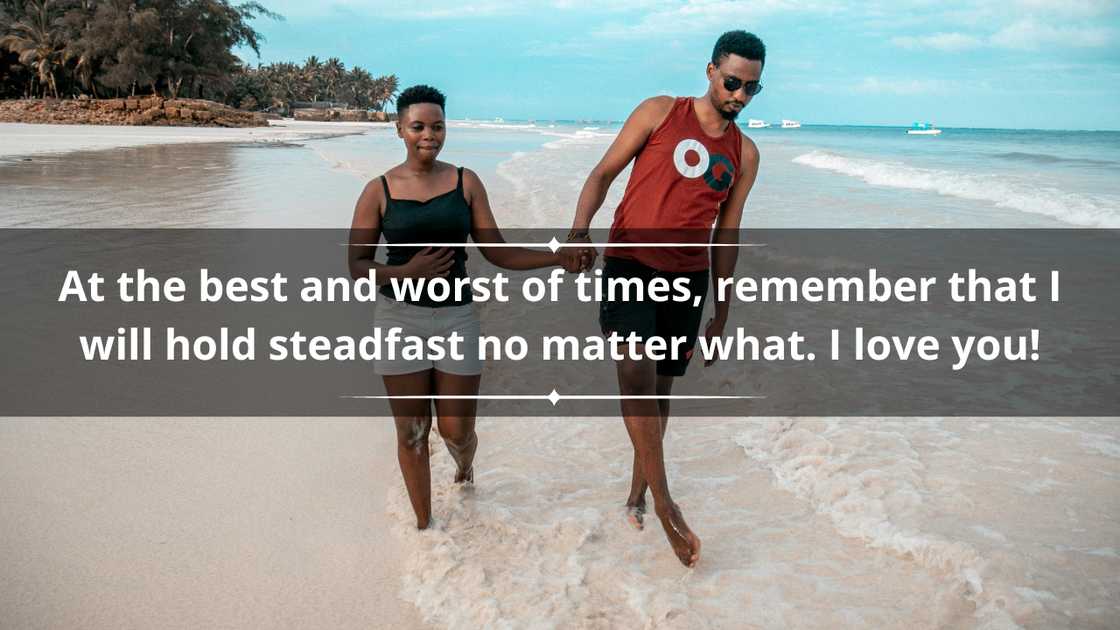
<point x="457" y="419"/>
<point x="414" y="421"/>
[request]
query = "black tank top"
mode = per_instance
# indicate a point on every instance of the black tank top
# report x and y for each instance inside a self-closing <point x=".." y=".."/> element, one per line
<point x="445" y="218"/>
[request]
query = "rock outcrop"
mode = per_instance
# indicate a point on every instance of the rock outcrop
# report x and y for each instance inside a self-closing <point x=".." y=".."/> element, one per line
<point x="144" y="110"/>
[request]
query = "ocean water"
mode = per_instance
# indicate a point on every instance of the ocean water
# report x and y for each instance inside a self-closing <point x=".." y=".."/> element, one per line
<point x="816" y="176"/>
<point x="806" y="522"/>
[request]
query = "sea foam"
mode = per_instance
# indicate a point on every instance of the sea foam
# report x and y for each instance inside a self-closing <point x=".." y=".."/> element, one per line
<point x="1002" y="191"/>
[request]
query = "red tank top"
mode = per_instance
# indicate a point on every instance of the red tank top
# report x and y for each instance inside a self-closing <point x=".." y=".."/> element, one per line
<point x="680" y="178"/>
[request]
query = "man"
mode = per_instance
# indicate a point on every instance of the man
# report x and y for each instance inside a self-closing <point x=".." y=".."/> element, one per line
<point x="692" y="169"/>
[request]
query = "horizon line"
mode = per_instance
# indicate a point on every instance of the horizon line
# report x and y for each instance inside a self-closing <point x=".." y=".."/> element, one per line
<point x="502" y="120"/>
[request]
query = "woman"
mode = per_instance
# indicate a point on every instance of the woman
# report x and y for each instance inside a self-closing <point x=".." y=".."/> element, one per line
<point x="423" y="200"/>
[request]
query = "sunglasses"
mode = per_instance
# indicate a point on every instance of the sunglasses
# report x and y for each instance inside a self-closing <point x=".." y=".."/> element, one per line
<point x="732" y="84"/>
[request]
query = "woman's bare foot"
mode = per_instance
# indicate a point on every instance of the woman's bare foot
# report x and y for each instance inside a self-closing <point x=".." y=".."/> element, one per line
<point x="685" y="543"/>
<point x="636" y="514"/>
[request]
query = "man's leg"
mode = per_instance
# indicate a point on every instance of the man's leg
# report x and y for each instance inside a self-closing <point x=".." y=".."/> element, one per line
<point x="414" y="421"/>
<point x="644" y="424"/>
<point x="457" y="419"/>
<point x="636" y="503"/>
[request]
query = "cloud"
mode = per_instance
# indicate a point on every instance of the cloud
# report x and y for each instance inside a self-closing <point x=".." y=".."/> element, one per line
<point x="1030" y="34"/>
<point x="1027" y="33"/>
<point x="564" y="49"/>
<point x="1077" y="9"/>
<point x="948" y="42"/>
<point x="902" y="87"/>
<point x="677" y="18"/>
<point x="439" y="9"/>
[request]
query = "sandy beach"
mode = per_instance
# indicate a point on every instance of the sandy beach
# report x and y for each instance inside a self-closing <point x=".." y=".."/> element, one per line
<point x="27" y="140"/>
<point x="893" y="523"/>
<point x="199" y="523"/>
<point x="290" y="523"/>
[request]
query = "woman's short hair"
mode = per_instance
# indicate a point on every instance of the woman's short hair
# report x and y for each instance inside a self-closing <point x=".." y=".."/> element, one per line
<point x="419" y="94"/>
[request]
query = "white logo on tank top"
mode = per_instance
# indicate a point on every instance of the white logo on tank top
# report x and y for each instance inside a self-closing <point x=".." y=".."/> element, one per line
<point x="683" y="147"/>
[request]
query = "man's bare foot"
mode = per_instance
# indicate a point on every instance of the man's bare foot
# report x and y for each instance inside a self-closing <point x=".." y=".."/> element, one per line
<point x="465" y="476"/>
<point x="636" y="515"/>
<point x="685" y="544"/>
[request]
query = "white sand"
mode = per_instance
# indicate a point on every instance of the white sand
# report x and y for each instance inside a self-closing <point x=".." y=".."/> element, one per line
<point x="198" y="523"/>
<point x="19" y="139"/>
<point x="244" y="523"/>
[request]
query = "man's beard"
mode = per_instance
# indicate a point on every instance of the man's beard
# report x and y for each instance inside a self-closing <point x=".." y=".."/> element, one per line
<point x="730" y="114"/>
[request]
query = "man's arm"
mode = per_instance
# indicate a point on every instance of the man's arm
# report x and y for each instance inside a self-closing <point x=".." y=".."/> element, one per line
<point x="727" y="231"/>
<point x="630" y="140"/>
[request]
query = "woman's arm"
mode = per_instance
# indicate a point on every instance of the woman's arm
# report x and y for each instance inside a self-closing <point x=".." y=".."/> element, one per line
<point x="365" y="232"/>
<point x="484" y="229"/>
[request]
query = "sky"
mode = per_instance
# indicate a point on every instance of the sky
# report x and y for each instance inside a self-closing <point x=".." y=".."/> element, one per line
<point x="1031" y="64"/>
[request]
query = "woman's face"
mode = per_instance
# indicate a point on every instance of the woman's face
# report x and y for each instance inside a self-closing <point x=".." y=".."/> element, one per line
<point x="422" y="128"/>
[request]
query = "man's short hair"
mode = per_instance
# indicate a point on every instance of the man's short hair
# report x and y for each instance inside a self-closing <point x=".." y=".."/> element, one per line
<point x="746" y="45"/>
<point x="419" y="94"/>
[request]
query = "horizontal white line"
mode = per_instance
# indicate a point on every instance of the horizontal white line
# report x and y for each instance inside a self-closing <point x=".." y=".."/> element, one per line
<point x="546" y="396"/>
<point x="618" y="245"/>
<point x="553" y="397"/>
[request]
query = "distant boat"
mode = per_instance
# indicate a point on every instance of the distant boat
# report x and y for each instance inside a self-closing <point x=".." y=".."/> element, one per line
<point x="790" y="124"/>
<point x="923" y="129"/>
<point x="499" y="119"/>
<point x="755" y="123"/>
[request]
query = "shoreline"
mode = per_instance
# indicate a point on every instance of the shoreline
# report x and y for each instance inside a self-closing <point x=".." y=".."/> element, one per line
<point x="34" y="139"/>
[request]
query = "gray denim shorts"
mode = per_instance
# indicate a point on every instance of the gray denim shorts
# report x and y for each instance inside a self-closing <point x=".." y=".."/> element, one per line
<point x="425" y="322"/>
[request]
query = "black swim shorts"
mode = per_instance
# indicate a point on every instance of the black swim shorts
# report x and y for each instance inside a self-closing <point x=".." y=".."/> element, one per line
<point x="647" y="318"/>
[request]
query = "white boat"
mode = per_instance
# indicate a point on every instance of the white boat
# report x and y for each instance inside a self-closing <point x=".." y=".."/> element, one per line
<point x="755" y="123"/>
<point x="790" y="124"/>
<point x="923" y="129"/>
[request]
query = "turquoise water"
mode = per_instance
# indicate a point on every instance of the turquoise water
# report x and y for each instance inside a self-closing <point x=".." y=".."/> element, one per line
<point x="815" y="176"/>
<point x="827" y="176"/>
<point x="1068" y="177"/>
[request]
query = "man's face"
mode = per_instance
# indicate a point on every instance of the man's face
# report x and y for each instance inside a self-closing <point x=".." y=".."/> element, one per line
<point x="748" y="72"/>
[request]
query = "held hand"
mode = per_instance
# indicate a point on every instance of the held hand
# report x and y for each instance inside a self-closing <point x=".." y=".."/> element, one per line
<point x="714" y="329"/>
<point x="431" y="263"/>
<point x="587" y="258"/>
<point x="578" y="255"/>
<point x="577" y="259"/>
<point x="570" y="259"/>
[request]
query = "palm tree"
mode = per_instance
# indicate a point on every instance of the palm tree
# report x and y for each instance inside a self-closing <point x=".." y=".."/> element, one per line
<point x="312" y="78"/>
<point x="333" y="73"/>
<point x="38" y="37"/>
<point x="283" y="81"/>
<point x="383" y="91"/>
<point x="359" y="84"/>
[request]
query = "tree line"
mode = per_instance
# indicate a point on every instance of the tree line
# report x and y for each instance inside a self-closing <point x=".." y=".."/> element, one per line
<point x="173" y="48"/>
